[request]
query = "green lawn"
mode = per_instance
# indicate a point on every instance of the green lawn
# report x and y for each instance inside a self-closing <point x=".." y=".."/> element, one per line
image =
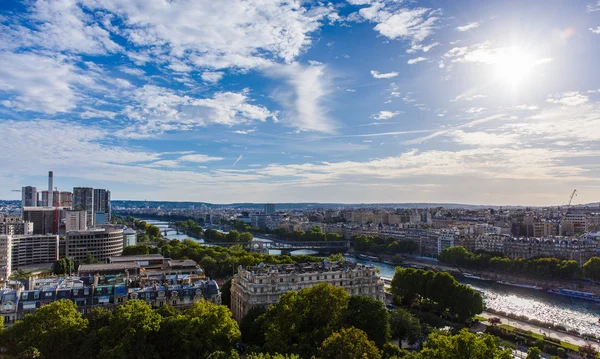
<point x="537" y="336"/>
<point x="481" y="319"/>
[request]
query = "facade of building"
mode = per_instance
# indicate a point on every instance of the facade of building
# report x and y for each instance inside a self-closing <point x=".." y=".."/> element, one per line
<point x="43" y="218"/>
<point x="262" y="285"/>
<point x="13" y="224"/>
<point x="75" y="220"/>
<point x="55" y="199"/>
<point x="29" y="197"/>
<point x="102" y="203"/>
<point x="83" y="200"/>
<point x="66" y="199"/>
<point x="23" y="250"/>
<point x="269" y="209"/>
<point x="101" y="243"/>
<point x="579" y="250"/>
<point x="445" y="240"/>
<point x="129" y="237"/>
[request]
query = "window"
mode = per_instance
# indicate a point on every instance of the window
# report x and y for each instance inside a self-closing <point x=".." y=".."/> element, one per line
<point x="310" y="278"/>
<point x="260" y="281"/>
<point x="280" y="280"/>
<point x="174" y="303"/>
<point x="302" y="279"/>
<point x="254" y="290"/>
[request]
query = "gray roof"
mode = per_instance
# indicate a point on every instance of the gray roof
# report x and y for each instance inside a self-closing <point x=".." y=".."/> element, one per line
<point x="145" y="257"/>
<point x="107" y="266"/>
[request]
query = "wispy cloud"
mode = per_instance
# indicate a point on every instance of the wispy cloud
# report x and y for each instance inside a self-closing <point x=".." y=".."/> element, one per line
<point x="467" y="27"/>
<point x="387" y="75"/>
<point x="595" y="30"/>
<point x="237" y="160"/>
<point x="416" y="60"/>
<point x="385" y="115"/>
<point x="572" y="98"/>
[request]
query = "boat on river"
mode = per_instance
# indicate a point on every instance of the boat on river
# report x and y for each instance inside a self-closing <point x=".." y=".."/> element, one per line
<point x="574" y="294"/>
<point x="520" y="285"/>
<point x="476" y="277"/>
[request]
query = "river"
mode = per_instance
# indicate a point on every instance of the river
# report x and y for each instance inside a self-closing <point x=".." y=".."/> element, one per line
<point x="572" y="313"/>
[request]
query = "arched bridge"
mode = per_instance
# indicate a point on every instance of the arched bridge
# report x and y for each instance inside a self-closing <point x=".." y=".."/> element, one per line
<point x="329" y="246"/>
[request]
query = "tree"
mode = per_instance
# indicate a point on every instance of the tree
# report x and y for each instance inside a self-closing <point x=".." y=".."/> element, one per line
<point x="405" y="326"/>
<point x="591" y="268"/>
<point x="226" y="293"/>
<point x="588" y="351"/>
<point x="140" y="249"/>
<point x="53" y="331"/>
<point x="203" y="329"/>
<point x="296" y="325"/>
<point x="131" y="332"/>
<point x="233" y="236"/>
<point x="370" y="316"/>
<point x="251" y="327"/>
<point x="464" y="345"/>
<point x="349" y="343"/>
<point x="89" y="259"/>
<point x="246" y="237"/>
<point x="456" y="255"/>
<point x="494" y="321"/>
<point x="534" y="353"/>
<point x="271" y="356"/>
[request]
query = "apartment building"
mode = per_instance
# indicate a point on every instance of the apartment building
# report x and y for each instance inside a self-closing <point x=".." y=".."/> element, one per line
<point x="23" y="250"/>
<point x="262" y="285"/>
<point x="101" y="243"/>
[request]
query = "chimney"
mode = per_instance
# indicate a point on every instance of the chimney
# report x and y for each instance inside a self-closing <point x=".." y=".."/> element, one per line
<point x="50" y="189"/>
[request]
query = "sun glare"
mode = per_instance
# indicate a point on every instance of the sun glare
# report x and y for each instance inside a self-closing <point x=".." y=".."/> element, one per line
<point x="513" y="66"/>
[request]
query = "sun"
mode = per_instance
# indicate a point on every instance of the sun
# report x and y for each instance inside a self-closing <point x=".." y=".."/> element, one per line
<point x="513" y="66"/>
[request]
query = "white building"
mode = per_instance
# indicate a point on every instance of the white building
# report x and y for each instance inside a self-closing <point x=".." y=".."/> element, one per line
<point x="445" y="240"/>
<point x="23" y="250"/>
<point x="101" y="243"/>
<point x="75" y="220"/>
<point x="262" y="285"/>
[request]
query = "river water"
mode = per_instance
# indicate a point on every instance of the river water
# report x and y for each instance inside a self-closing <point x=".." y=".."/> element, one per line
<point x="572" y="313"/>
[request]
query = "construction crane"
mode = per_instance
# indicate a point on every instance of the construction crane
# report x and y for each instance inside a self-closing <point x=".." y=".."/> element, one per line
<point x="566" y="211"/>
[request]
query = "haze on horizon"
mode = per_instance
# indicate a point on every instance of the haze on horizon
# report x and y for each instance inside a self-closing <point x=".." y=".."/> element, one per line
<point x="357" y="101"/>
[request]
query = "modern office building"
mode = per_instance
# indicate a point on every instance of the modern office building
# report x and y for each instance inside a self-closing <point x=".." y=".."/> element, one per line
<point x="29" y="197"/>
<point x="14" y="224"/>
<point x="83" y="200"/>
<point x="101" y="243"/>
<point x="66" y="199"/>
<point x="262" y="285"/>
<point x="75" y="220"/>
<point x="43" y="218"/>
<point x="102" y="203"/>
<point x="269" y="209"/>
<point x="55" y="198"/>
<point x="24" y="250"/>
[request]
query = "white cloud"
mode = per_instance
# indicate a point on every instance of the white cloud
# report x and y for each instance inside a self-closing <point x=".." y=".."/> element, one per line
<point x="305" y="95"/>
<point x="573" y="98"/>
<point x="232" y="34"/>
<point x="387" y="75"/>
<point x="475" y="110"/>
<point x="385" y="115"/>
<point x="593" y="7"/>
<point x="164" y="164"/>
<point x="212" y="76"/>
<point x="244" y="132"/>
<point x="416" y="60"/>
<point x="158" y="110"/>
<point x="395" y="22"/>
<point x="527" y="107"/>
<point x="237" y="160"/>
<point x="595" y="30"/>
<point x="418" y="47"/>
<point x="483" y="139"/>
<point x="39" y="83"/>
<point x="466" y="97"/>
<point x="467" y="27"/>
<point x="198" y="158"/>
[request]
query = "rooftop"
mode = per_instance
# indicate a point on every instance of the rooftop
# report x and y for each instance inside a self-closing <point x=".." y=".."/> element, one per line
<point x="324" y="266"/>
<point x="144" y="257"/>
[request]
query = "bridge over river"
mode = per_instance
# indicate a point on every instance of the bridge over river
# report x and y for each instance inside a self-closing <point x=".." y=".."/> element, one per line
<point x="322" y="246"/>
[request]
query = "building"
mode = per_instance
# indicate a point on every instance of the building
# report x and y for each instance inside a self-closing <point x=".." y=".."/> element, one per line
<point x="43" y="218"/>
<point x="5" y="256"/>
<point x="75" y="220"/>
<point x="129" y="237"/>
<point x="258" y="220"/>
<point x="24" y="250"/>
<point x="29" y="197"/>
<point x="83" y="200"/>
<point x="101" y="243"/>
<point x="445" y="240"/>
<point x="579" y="221"/>
<point x="33" y="249"/>
<point x="13" y="224"/>
<point x="55" y="199"/>
<point x="66" y="199"/>
<point x="102" y="203"/>
<point x="262" y="285"/>
<point x="269" y="209"/>
<point x="100" y="218"/>
<point x="579" y="250"/>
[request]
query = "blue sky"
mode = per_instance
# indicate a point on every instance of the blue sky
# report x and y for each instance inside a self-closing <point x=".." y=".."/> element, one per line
<point x="494" y="102"/>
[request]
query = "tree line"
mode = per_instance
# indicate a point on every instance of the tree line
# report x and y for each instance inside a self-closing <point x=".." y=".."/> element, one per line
<point x="233" y="236"/>
<point x="384" y="245"/>
<point x="535" y="267"/>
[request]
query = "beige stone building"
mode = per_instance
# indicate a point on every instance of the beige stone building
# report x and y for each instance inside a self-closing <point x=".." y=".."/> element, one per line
<point x="262" y="285"/>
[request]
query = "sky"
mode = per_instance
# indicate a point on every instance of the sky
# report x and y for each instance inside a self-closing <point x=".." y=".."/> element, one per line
<point x="357" y="101"/>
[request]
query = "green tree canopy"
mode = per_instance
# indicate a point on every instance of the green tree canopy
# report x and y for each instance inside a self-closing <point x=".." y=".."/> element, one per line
<point x="53" y="331"/>
<point x="349" y="343"/>
<point x="136" y="250"/>
<point x="591" y="268"/>
<point x="370" y="316"/>
<point x="405" y="326"/>
<point x="252" y="327"/>
<point x="534" y="353"/>
<point x="300" y="321"/>
<point x="233" y="236"/>
<point x="464" y="345"/>
<point x="246" y="237"/>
